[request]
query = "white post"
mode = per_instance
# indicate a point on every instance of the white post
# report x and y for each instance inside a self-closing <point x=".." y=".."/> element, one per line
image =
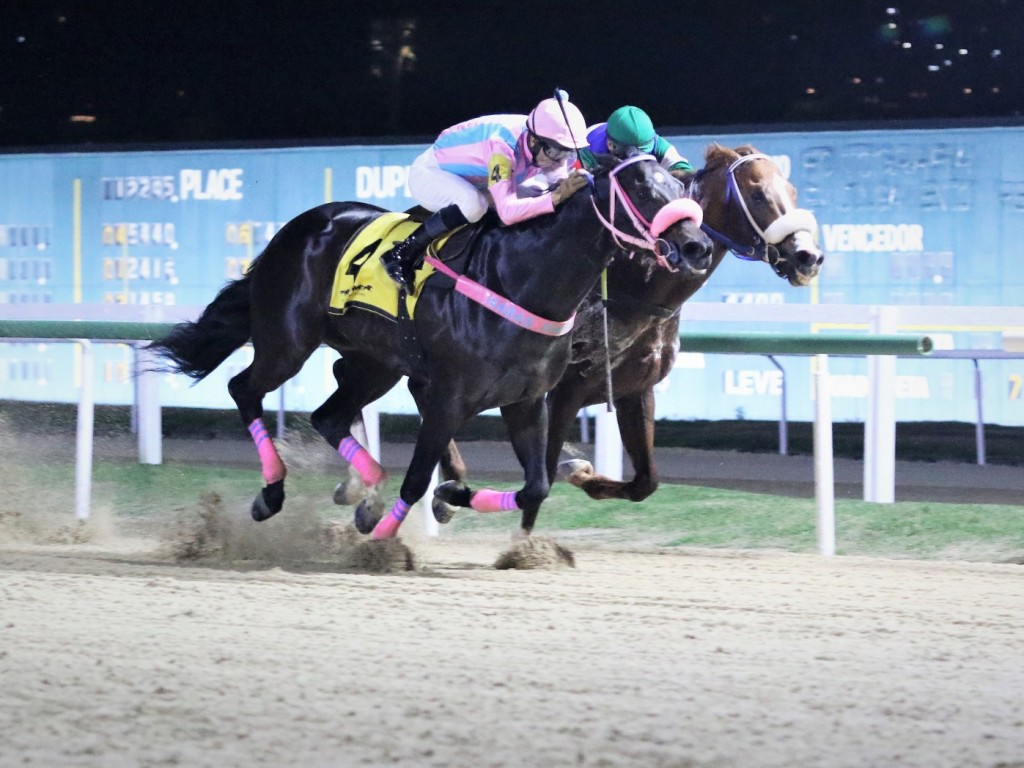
<point x="423" y="507"/>
<point x="280" y="412"/>
<point x="371" y="427"/>
<point x="607" y="445"/>
<point x="880" y="425"/>
<point x="83" y="434"/>
<point x="979" y="422"/>
<point x="824" y="475"/>
<point x="147" y="408"/>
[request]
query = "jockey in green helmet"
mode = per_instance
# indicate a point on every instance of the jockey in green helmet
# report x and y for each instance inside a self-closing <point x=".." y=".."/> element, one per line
<point x="629" y="130"/>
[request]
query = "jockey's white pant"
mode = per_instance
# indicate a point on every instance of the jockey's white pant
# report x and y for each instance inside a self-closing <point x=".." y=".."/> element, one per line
<point x="434" y="188"/>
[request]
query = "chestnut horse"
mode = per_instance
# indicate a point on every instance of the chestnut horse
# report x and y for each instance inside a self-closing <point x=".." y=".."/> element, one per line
<point x="464" y="357"/>
<point x="750" y="209"/>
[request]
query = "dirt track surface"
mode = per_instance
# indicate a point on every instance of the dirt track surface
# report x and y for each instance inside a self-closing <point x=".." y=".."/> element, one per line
<point x="113" y="654"/>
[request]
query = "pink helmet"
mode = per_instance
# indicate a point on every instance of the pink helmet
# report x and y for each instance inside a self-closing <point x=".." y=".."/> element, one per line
<point x="547" y="122"/>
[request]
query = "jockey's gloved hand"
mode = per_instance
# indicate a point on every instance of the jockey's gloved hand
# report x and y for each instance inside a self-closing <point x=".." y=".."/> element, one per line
<point x="568" y="186"/>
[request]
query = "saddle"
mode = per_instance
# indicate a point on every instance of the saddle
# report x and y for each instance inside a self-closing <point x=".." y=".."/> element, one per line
<point x="360" y="281"/>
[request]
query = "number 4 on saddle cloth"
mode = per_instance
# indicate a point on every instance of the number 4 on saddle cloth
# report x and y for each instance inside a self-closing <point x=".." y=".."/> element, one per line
<point x="360" y="281"/>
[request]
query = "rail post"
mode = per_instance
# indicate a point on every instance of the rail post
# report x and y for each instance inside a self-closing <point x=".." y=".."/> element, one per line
<point x="880" y="424"/>
<point x="147" y="407"/>
<point x="824" y="467"/>
<point x="84" y="433"/>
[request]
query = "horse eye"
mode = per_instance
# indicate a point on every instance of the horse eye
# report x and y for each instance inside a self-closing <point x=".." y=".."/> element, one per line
<point x="759" y="196"/>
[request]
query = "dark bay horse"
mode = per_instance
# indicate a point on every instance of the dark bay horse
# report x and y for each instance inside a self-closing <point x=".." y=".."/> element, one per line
<point x="470" y="358"/>
<point x="750" y="209"/>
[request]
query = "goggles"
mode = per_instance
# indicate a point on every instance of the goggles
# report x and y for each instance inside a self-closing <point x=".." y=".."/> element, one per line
<point x="554" y="151"/>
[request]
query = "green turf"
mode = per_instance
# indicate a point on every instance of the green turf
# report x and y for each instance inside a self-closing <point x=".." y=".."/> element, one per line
<point x="915" y="441"/>
<point x="677" y="515"/>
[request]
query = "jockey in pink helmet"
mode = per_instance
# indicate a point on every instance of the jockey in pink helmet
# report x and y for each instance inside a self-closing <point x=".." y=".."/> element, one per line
<point x="519" y="164"/>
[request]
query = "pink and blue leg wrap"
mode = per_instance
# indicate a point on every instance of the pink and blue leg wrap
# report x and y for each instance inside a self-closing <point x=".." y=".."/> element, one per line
<point x="273" y="467"/>
<point x="369" y="470"/>
<point x="486" y="500"/>
<point x="389" y="524"/>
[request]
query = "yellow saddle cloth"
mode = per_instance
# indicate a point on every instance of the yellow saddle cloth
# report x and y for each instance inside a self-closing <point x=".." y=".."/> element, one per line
<point x="360" y="281"/>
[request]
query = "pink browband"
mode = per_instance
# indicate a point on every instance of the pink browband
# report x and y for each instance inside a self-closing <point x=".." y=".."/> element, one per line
<point x="501" y="306"/>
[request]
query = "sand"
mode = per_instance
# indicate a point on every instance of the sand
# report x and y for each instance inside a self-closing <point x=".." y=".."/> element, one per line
<point x="114" y="651"/>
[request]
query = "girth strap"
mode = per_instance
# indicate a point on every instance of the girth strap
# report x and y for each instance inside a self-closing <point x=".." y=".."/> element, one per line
<point x="501" y="306"/>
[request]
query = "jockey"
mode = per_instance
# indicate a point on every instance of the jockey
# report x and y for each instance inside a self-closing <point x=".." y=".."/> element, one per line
<point x="520" y="164"/>
<point x="629" y="130"/>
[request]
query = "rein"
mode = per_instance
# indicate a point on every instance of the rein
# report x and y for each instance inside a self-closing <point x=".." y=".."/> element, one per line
<point x="777" y="231"/>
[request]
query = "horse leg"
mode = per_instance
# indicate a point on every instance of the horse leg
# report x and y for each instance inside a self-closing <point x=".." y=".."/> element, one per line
<point x="564" y="402"/>
<point x="527" y="429"/>
<point x="436" y="431"/>
<point x="527" y="424"/>
<point x="635" y="415"/>
<point x="453" y="467"/>
<point x="453" y="470"/>
<point x="266" y="373"/>
<point x="361" y="380"/>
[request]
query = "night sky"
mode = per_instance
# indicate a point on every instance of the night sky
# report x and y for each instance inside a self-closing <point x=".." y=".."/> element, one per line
<point x="224" y="71"/>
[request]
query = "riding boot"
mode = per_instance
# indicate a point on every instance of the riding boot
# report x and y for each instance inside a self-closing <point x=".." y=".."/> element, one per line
<point x="402" y="261"/>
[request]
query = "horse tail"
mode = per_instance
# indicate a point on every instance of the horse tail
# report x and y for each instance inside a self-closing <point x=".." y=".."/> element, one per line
<point x="197" y="348"/>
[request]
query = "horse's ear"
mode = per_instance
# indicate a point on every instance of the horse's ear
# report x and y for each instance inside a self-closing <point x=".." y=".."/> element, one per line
<point x="603" y="164"/>
<point x="713" y="150"/>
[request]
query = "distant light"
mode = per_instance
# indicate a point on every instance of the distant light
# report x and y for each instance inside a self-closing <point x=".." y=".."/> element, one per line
<point x="996" y="53"/>
<point x="20" y="38"/>
<point x="947" y="63"/>
<point x="793" y="38"/>
<point x="939" y="46"/>
<point x="996" y="89"/>
<point x="856" y="80"/>
<point x="61" y="19"/>
<point x="962" y="51"/>
<point x="891" y="11"/>
<point x="968" y="91"/>
<point x="811" y="91"/>
<point x="83" y="118"/>
<point x="933" y="67"/>
<point x="890" y="25"/>
<point x="907" y="45"/>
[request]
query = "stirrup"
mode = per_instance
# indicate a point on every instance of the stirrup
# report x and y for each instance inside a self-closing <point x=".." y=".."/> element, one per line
<point x="395" y="268"/>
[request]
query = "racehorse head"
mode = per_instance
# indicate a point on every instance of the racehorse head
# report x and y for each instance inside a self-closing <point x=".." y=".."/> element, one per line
<point x="644" y="207"/>
<point x="751" y="208"/>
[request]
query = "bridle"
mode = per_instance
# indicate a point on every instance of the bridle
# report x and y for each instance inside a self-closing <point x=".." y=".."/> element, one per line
<point x="765" y="240"/>
<point x="649" y="231"/>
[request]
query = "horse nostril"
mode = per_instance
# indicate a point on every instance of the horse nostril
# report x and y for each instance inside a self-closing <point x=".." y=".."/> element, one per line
<point x="695" y="251"/>
<point x="810" y="258"/>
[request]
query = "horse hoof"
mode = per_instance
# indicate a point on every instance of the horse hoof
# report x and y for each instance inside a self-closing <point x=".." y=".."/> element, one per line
<point x="350" y="492"/>
<point x="443" y="511"/>
<point x="452" y="493"/>
<point x="575" y="469"/>
<point x="269" y="502"/>
<point x="365" y="520"/>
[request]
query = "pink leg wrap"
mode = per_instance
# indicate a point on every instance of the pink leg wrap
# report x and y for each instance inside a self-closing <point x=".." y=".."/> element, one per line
<point x="369" y="470"/>
<point x="389" y="524"/>
<point x="273" y="467"/>
<point x="486" y="500"/>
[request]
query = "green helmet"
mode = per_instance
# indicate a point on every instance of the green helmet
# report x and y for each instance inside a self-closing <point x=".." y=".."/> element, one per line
<point x="631" y="127"/>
